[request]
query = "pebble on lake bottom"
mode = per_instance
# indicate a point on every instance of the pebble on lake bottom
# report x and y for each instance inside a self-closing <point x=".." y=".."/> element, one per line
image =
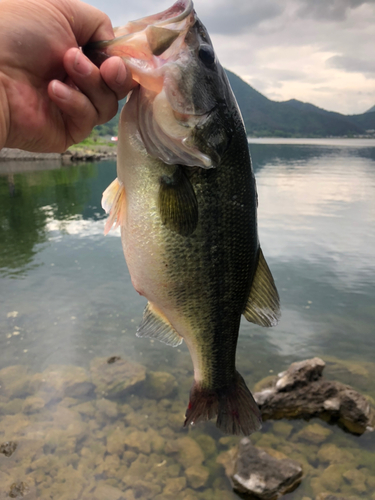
<point x="115" y="432"/>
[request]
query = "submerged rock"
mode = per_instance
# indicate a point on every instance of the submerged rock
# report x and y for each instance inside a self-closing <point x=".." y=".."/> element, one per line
<point x="314" y="433"/>
<point x="160" y="385"/>
<point x="108" y="493"/>
<point x="329" y="496"/>
<point x="252" y="471"/>
<point x="301" y="392"/>
<point x="8" y="448"/>
<point x="33" y="404"/>
<point x="187" y="451"/>
<point x="15" y="381"/>
<point x="18" y="489"/>
<point x="59" y="381"/>
<point x="197" y="476"/>
<point x="116" y="379"/>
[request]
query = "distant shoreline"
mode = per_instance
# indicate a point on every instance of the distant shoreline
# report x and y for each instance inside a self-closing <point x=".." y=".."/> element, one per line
<point x="75" y="154"/>
<point x="96" y="153"/>
<point x="318" y="141"/>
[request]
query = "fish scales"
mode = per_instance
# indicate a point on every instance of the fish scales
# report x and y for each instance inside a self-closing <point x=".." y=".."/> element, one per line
<point x="186" y="201"/>
<point x="215" y="264"/>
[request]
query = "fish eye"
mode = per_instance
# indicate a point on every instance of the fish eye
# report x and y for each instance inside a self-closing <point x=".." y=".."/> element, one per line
<point x="206" y="55"/>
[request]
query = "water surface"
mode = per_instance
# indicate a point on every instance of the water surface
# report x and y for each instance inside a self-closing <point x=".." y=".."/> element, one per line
<point x="67" y="305"/>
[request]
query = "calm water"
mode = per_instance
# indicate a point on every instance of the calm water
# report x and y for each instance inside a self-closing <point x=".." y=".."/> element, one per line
<point x="67" y="305"/>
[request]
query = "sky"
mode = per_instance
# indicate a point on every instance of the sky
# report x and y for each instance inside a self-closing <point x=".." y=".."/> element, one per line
<point x="317" y="51"/>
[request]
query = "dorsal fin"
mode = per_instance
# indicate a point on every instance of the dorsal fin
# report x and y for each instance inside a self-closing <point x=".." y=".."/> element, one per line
<point x="263" y="304"/>
<point x="114" y="203"/>
<point x="155" y="325"/>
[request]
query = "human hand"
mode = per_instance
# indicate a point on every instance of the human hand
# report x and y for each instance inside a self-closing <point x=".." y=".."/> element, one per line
<point x="42" y="68"/>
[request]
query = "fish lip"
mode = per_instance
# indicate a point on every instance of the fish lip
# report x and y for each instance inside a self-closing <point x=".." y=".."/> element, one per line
<point x="187" y="9"/>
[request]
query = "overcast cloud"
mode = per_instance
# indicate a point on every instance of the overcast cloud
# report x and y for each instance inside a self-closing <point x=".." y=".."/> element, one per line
<point x="317" y="51"/>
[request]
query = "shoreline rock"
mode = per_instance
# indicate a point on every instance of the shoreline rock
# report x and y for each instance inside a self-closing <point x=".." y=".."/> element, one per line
<point x="102" y="153"/>
<point x="11" y="154"/>
<point x="71" y="155"/>
<point x="302" y="392"/>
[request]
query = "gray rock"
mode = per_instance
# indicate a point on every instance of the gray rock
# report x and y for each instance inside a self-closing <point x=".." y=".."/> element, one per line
<point x="301" y="392"/>
<point x="300" y="374"/>
<point x="257" y="474"/>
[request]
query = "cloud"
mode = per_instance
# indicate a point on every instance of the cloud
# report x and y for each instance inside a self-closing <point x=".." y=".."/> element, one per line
<point x="328" y="10"/>
<point x="352" y="64"/>
<point x="236" y="17"/>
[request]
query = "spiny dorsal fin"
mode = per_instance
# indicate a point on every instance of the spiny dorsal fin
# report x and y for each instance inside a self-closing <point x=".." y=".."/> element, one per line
<point x="155" y="325"/>
<point x="177" y="203"/>
<point x="114" y="203"/>
<point x="263" y="304"/>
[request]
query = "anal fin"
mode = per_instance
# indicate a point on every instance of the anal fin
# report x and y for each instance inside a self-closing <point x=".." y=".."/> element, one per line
<point x="263" y="304"/>
<point x="114" y="203"/>
<point x="155" y="325"/>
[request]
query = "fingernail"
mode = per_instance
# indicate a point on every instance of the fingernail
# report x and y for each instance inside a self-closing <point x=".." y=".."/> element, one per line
<point x="82" y="65"/>
<point x="60" y="90"/>
<point x="121" y="73"/>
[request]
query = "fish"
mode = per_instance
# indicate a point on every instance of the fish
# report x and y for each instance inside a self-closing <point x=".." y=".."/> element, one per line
<point x="185" y="198"/>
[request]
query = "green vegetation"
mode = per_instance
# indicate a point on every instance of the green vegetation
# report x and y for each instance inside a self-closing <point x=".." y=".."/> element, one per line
<point x="94" y="140"/>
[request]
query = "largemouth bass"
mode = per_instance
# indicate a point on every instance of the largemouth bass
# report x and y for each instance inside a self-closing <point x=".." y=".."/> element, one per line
<point x="186" y="201"/>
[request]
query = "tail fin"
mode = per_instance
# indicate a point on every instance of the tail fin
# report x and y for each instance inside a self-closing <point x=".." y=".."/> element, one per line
<point x="236" y="410"/>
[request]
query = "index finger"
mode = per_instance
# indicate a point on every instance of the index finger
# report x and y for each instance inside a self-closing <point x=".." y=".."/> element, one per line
<point x="88" y="23"/>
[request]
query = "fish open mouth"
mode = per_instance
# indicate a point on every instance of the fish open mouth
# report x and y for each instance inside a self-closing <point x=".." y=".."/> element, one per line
<point x="173" y="15"/>
<point x="157" y="51"/>
<point x="144" y="38"/>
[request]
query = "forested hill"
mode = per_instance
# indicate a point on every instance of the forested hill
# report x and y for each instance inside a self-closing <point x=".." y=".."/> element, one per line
<point x="266" y="118"/>
<point x="293" y="118"/>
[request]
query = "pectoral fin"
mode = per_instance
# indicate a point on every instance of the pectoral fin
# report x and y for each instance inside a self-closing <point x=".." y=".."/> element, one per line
<point x="177" y="203"/>
<point x="114" y="203"/>
<point x="155" y="325"/>
<point x="263" y="305"/>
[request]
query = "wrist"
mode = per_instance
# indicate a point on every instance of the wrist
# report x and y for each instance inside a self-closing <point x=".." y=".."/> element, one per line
<point x="4" y="114"/>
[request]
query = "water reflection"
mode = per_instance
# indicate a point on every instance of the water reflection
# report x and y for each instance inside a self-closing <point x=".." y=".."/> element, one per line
<point x="29" y="200"/>
<point x="72" y="307"/>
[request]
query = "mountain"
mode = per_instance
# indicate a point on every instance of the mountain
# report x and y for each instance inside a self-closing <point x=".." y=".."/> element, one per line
<point x="264" y="117"/>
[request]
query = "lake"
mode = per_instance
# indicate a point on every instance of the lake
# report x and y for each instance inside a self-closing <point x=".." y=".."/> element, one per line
<point x="87" y="428"/>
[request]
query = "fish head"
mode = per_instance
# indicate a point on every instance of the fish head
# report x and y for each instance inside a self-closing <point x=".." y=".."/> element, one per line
<point x="184" y="93"/>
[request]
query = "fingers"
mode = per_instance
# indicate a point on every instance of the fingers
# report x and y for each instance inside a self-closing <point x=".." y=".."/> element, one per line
<point x="82" y="109"/>
<point x="87" y="23"/>
<point x="78" y="113"/>
<point x="96" y="101"/>
<point x="117" y="77"/>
